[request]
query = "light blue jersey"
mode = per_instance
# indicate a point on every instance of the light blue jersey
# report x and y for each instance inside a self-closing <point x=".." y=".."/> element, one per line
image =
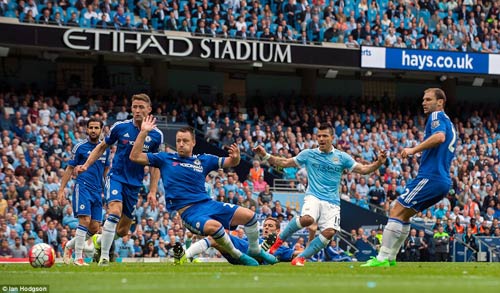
<point x="435" y="162"/>
<point x="324" y="172"/>
<point x="125" y="133"/>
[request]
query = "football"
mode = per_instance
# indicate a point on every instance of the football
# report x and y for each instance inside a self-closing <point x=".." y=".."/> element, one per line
<point x="42" y="256"/>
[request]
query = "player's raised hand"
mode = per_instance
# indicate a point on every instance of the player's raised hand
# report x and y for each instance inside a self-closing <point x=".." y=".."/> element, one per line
<point x="259" y="150"/>
<point x="382" y="156"/>
<point x="149" y="123"/>
<point x="406" y="152"/>
<point x="234" y="151"/>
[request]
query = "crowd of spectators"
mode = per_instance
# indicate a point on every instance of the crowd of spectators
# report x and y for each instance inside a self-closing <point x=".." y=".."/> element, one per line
<point x="39" y="130"/>
<point x="454" y="25"/>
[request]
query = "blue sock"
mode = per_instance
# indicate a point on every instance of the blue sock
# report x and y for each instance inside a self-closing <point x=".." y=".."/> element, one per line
<point x="292" y="227"/>
<point x="318" y="243"/>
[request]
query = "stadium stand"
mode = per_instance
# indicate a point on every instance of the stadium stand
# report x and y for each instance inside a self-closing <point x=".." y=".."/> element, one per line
<point x="465" y="26"/>
<point x="38" y="131"/>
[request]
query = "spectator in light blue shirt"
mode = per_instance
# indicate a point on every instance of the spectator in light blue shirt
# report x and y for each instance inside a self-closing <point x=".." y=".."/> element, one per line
<point x="124" y="247"/>
<point x="69" y="219"/>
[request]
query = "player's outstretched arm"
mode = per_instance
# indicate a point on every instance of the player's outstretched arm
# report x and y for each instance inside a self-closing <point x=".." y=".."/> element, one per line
<point x="153" y="185"/>
<point x="369" y="168"/>
<point x="136" y="155"/>
<point x="64" y="181"/>
<point x="234" y="156"/>
<point x="277" y="161"/>
<point x="94" y="155"/>
<point x="431" y="142"/>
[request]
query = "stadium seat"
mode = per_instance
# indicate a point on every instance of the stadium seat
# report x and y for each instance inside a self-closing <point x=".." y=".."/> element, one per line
<point x="10" y="13"/>
<point x="70" y="11"/>
<point x="12" y="5"/>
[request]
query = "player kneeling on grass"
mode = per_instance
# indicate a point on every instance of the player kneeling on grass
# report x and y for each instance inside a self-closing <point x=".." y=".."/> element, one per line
<point x="184" y="175"/>
<point x="324" y="166"/>
<point x="270" y="230"/>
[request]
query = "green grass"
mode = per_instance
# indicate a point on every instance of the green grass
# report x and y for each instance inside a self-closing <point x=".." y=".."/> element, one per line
<point x="223" y="277"/>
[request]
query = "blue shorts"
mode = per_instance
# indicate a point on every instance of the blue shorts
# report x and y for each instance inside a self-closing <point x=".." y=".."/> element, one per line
<point x="196" y="216"/>
<point x="422" y="193"/>
<point x="127" y="194"/>
<point x="240" y="244"/>
<point x="87" y="202"/>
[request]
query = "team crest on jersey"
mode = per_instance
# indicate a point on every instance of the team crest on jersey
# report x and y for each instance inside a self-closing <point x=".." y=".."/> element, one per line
<point x="197" y="162"/>
<point x="435" y="124"/>
<point x="335" y="160"/>
<point x="148" y="138"/>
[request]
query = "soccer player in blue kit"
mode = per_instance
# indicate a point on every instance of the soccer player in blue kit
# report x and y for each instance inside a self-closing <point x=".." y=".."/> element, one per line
<point x="270" y="228"/>
<point x="125" y="177"/>
<point x="184" y="175"/>
<point x="324" y="166"/>
<point x="86" y="199"/>
<point x="433" y="180"/>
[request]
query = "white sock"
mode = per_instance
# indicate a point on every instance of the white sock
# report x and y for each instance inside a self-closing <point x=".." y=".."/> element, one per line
<point x="108" y="235"/>
<point x="197" y="248"/>
<point x="252" y="232"/>
<point x="225" y="243"/>
<point x="81" y="232"/>
<point x="404" y="234"/>
<point x="392" y="232"/>
<point x="71" y="243"/>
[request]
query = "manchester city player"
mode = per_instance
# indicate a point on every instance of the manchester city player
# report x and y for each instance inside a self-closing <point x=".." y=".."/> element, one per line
<point x="87" y="201"/>
<point x="324" y="166"/>
<point x="433" y="180"/>
<point x="125" y="177"/>
<point x="184" y="175"/>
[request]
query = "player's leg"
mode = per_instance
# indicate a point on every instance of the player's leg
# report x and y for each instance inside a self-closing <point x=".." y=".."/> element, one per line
<point x="114" y="198"/>
<point x="328" y="224"/>
<point x="81" y="200"/>
<point x="207" y="218"/>
<point x="108" y="230"/>
<point x="246" y="217"/>
<point x="310" y="212"/>
<point x="420" y="194"/>
<point x="197" y="248"/>
<point x="81" y="234"/>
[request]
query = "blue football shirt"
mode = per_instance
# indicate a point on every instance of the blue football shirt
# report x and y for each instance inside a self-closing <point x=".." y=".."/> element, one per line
<point x="324" y="172"/>
<point x="184" y="177"/>
<point x="94" y="176"/>
<point x="435" y="162"/>
<point x="124" y="133"/>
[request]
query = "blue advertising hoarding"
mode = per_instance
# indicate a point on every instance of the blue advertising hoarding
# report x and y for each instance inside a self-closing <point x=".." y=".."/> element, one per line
<point x="429" y="60"/>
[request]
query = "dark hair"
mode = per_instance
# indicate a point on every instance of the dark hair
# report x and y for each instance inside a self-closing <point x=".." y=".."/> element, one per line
<point x="101" y="124"/>
<point x="276" y="222"/>
<point x="438" y="93"/>
<point x="326" y="126"/>
<point x="188" y="129"/>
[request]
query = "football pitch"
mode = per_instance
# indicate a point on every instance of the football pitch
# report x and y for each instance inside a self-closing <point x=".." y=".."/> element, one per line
<point x="223" y="277"/>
